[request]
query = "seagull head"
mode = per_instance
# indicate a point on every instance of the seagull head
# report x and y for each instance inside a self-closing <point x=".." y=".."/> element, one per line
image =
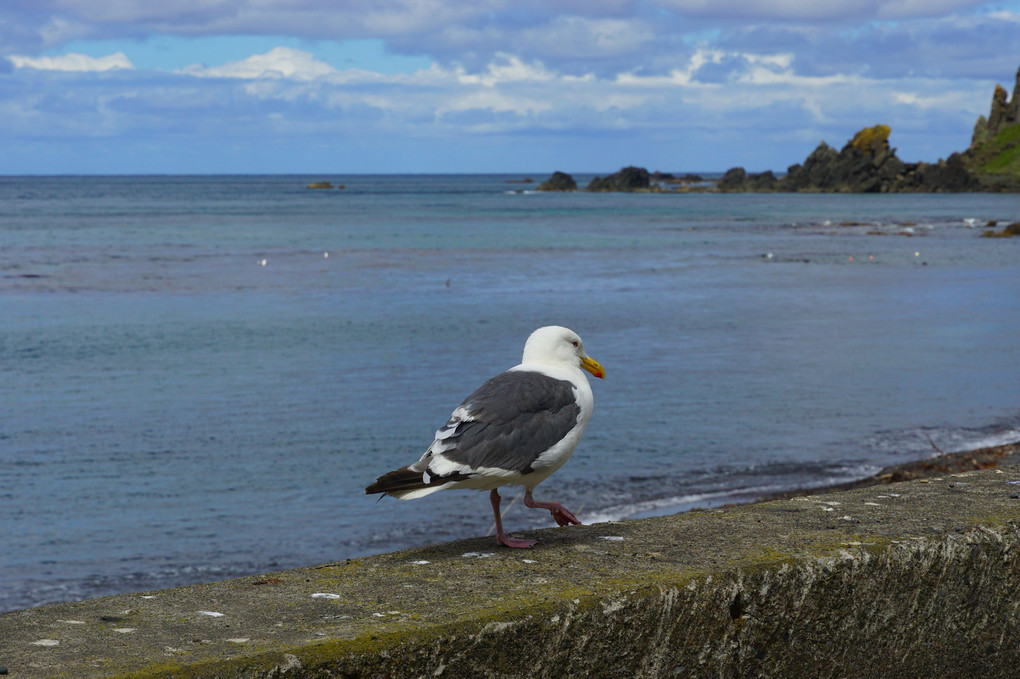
<point x="559" y="346"/>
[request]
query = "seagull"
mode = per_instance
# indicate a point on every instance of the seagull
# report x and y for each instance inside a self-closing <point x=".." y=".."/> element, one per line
<point x="516" y="429"/>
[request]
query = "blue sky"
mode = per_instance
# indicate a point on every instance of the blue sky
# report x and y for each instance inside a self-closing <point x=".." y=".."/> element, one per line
<point x="389" y="86"/>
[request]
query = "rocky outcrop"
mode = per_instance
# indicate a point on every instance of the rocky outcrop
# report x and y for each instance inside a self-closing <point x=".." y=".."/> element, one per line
<point x="1003" y="114"/>
<point x="738" y="179"/>
<point x="994" y="152"/>
<point x="628" y="179"/>
<point x="866" y="164"/>
<point x="947" y="176"/>
<point x="559" y="181"/>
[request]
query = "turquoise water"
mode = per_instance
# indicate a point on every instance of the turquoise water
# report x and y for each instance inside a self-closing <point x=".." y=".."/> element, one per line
<point x="199" y="375"/>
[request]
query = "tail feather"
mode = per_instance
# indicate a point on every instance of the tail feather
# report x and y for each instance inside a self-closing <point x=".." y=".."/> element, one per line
<point x="397" y="480"/>
<point x="405" y="481"/>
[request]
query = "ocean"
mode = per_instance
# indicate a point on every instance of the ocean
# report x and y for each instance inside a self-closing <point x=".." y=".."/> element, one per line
<point x="200" y="375"/>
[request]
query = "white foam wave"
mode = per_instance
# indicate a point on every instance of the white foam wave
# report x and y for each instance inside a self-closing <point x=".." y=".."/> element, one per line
<point x="741" y="493"/>
<point x="999" y="438"/>
<point x="671" y="505"/>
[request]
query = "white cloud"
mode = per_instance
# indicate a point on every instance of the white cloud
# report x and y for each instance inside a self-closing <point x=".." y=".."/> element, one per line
<point x="742" y="67"/>
<point x="602" y="70"/>
<point x="281" y="62"/>
<point x="1005" y="15"/>
<point x="934" y="100"/>
<point x="507" y="68"/>
<point x="495" y="101"/>
<point x="601" y="37"/>
<point x="74" y="62"/>
<point x="510" y="94"/>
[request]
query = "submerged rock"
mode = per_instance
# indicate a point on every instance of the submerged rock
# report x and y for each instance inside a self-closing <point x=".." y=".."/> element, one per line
<point x="1010" y="231"/>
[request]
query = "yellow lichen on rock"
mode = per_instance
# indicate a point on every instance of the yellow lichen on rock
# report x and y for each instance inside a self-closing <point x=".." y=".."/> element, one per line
<point x="871" y="138"/>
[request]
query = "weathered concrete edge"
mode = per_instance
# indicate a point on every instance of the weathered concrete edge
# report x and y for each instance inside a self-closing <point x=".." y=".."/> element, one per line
<point x="923" y="583"/>
<point x="570" y="637"/>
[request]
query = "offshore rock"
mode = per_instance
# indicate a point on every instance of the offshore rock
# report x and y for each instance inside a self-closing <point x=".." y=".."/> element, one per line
<point x="628" y="179"/>
<point x="946" y="175"/>
<point x="559" y="181"/>
<point x="737" y="179"/>
<point x="866" y="164"/>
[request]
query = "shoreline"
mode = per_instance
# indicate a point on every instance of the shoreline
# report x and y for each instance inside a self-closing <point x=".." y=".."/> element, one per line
<point x="919" y="470"/>
<point x="991" y="457"/>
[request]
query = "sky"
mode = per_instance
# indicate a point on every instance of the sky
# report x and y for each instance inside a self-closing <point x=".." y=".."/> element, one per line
<point x="516" y="86"/>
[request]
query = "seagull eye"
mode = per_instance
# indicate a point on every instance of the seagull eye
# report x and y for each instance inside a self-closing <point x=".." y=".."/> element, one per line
<point x="574" y="342"/>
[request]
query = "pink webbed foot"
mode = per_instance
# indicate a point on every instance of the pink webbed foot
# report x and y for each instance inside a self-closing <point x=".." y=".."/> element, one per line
<point x="564" y="517"/>
<point x="560" y="514"/>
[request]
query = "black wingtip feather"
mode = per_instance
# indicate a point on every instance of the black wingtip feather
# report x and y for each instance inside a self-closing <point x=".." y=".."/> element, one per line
<point x="399" y="479"/>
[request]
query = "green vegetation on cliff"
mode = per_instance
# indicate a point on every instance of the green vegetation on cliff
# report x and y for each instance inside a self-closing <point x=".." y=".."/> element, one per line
<point x="995" y="146"/>
<point x="1000" y="154"/>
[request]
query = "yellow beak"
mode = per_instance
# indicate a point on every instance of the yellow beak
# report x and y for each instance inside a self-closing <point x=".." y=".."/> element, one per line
<point x="593" y="366"/>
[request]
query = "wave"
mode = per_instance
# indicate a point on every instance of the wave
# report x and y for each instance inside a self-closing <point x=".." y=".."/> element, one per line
<point x="736" y="486"/>
<point x="674" y="505"/>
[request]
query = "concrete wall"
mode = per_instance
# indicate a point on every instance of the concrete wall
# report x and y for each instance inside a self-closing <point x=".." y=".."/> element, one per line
<point x="914" y="579"/>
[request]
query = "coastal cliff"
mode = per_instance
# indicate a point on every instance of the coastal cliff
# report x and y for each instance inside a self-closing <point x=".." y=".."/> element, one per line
<point x="868" y="164"/>
<point x="994" y="151"/>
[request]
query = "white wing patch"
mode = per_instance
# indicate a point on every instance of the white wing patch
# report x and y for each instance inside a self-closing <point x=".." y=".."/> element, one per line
<point x="460" y="414"/>
<point x="443" y="466"/>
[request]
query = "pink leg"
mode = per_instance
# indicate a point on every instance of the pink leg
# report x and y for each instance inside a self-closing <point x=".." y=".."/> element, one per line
<point x="501" y="537"/>
<point x="559" y="512"/>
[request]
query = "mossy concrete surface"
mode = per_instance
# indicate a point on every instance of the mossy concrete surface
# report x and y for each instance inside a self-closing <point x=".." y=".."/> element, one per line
<point x="917" y="579"/>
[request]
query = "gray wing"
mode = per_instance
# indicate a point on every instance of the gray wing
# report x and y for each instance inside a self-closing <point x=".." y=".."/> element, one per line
<point x="509" y="421"/>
